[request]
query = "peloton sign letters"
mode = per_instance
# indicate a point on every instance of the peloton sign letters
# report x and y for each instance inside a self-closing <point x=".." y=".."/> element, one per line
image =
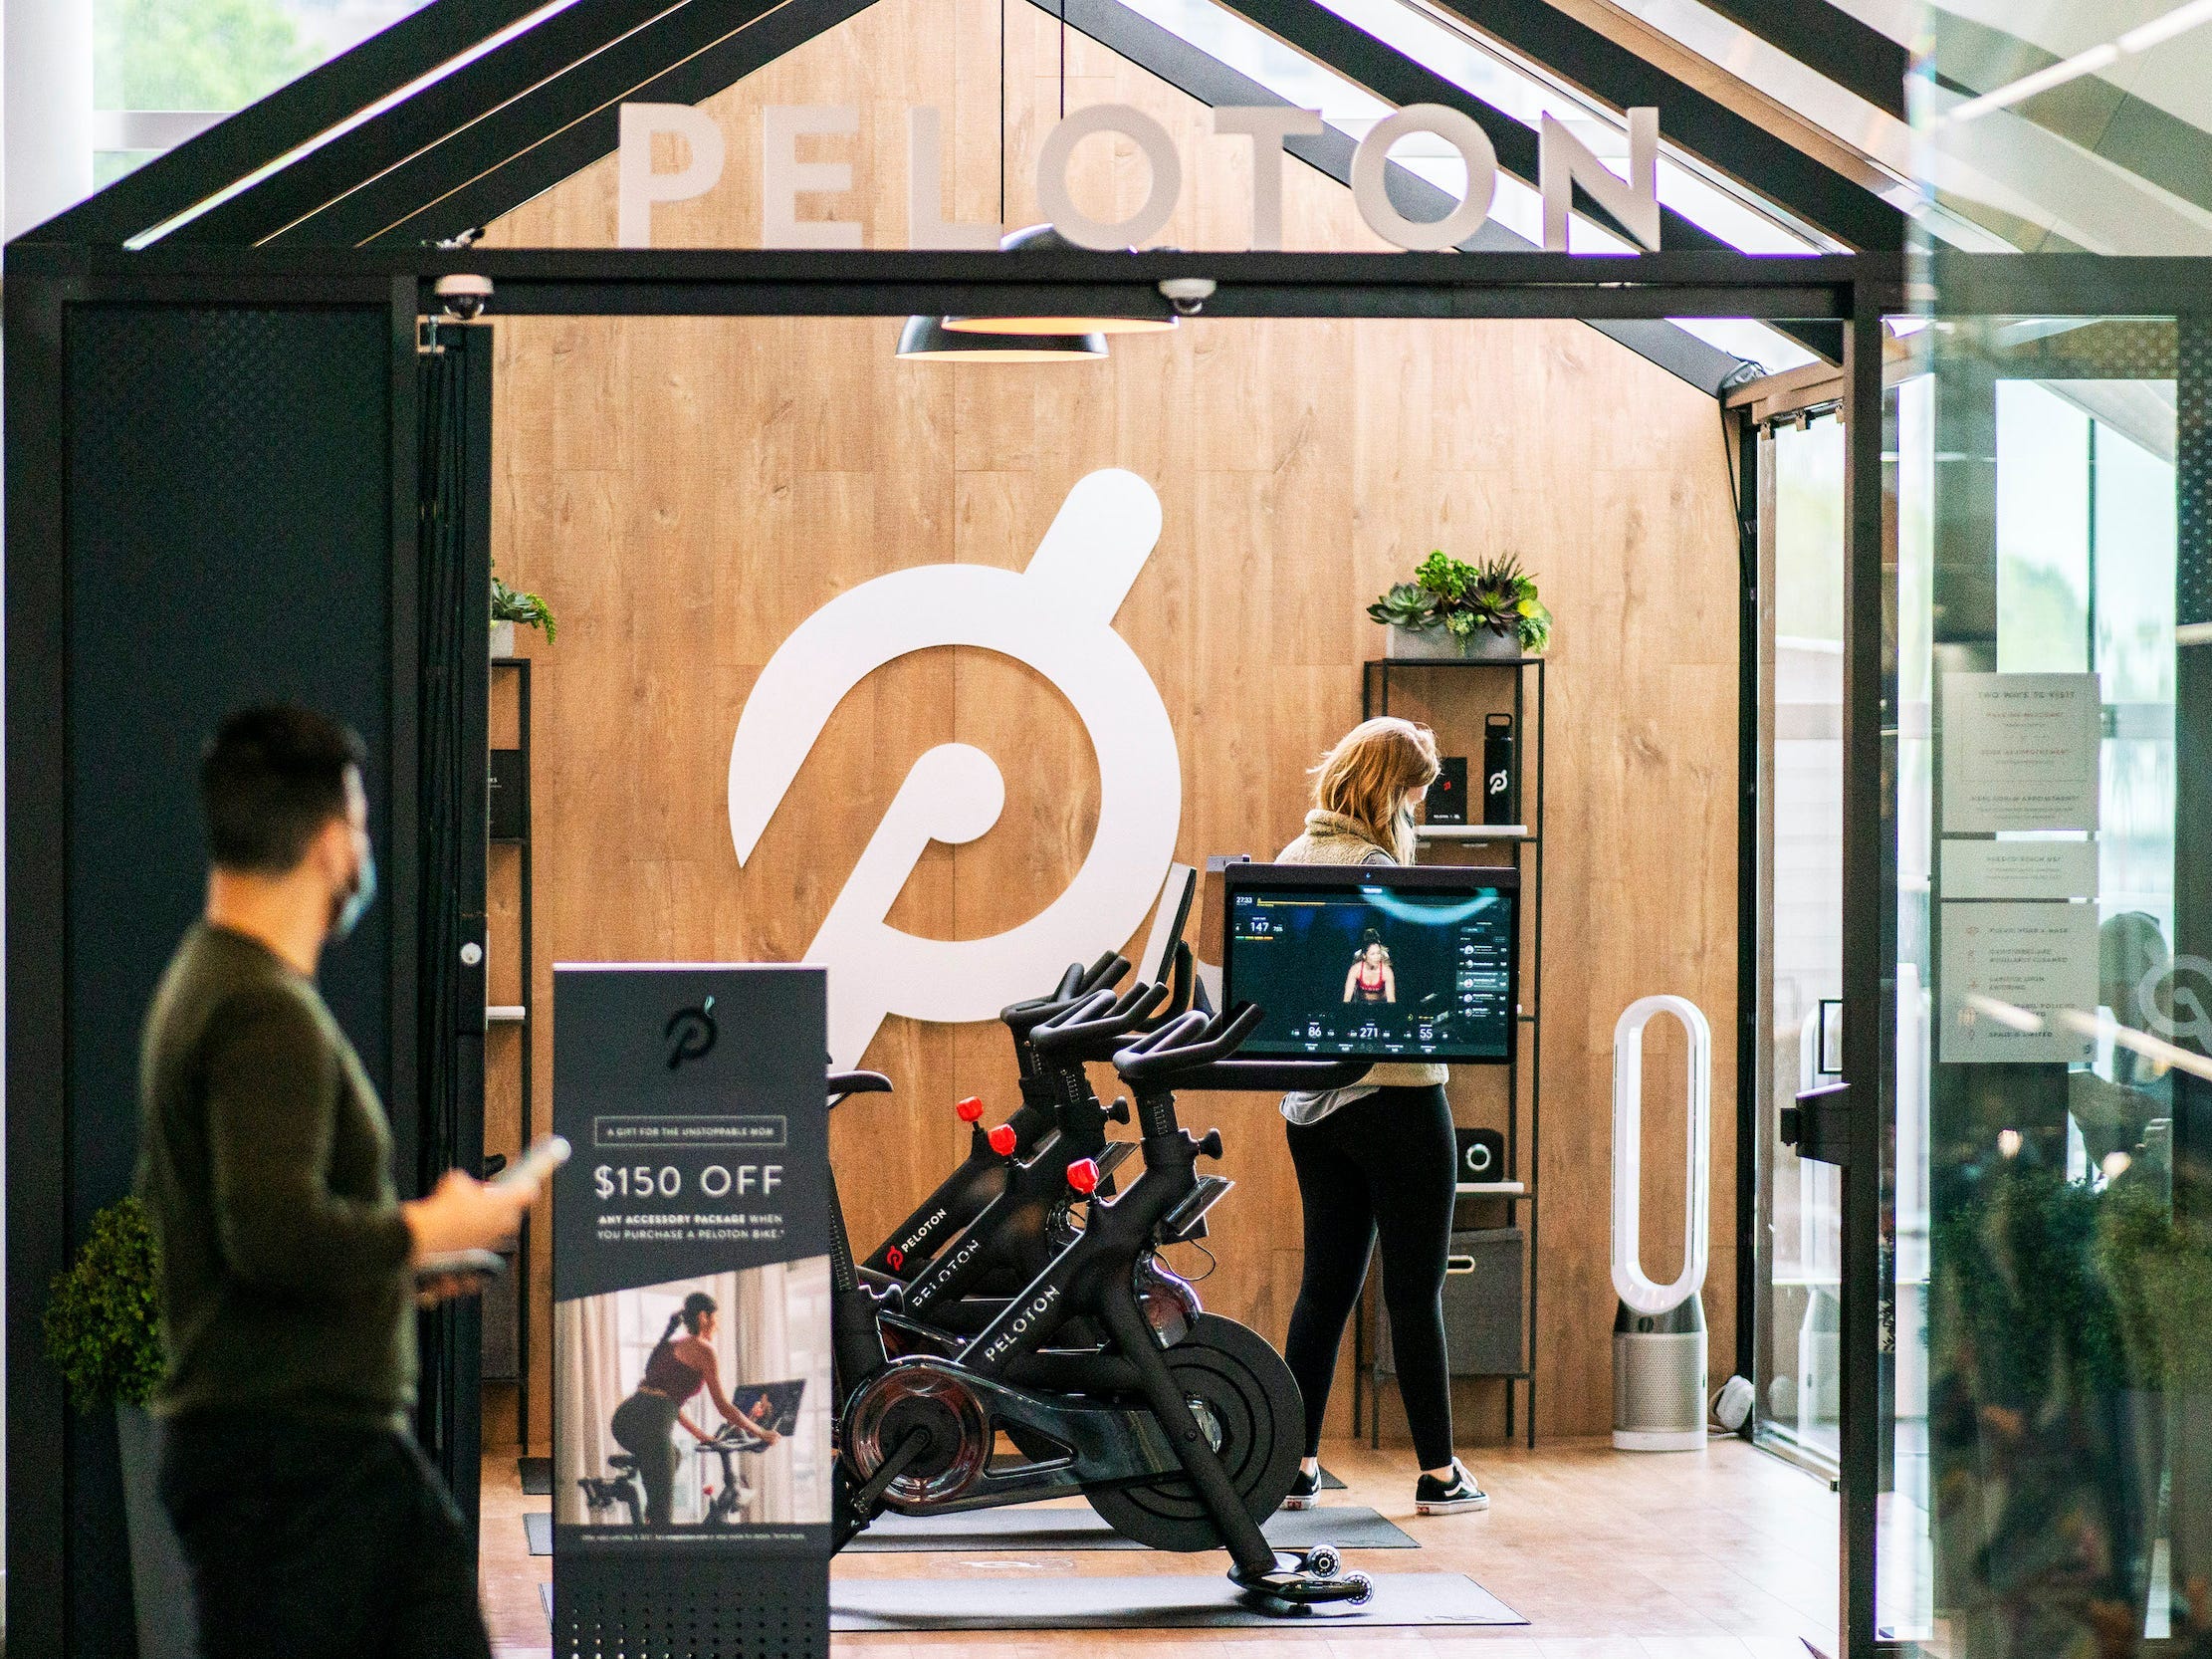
<point x="1564" y="161"/>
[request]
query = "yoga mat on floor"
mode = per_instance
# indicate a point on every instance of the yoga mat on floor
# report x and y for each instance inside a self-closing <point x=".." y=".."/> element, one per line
<point x="545" y="1594"/>
<point x="1181" y="1602"/>
<point x="536" y="1474"/>
<point x="538" y="1527"/>
<point x="1329" y="1483"/>
<point x="1349" y="1528"/>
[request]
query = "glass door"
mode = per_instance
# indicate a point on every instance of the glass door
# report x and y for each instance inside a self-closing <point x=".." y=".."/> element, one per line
<point x="2047" y="1216"/>
<point x="1797" y="1310"/>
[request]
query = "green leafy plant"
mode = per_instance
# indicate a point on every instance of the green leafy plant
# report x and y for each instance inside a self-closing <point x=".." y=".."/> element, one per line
<point x="103" y="1315"/>
<point x="508" y="605"/>
<point x="1459" y="598"/>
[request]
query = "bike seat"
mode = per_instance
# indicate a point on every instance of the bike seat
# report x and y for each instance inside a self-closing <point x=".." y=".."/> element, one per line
<point x="627" y="1464"/>
<point x="843" y="1083"/>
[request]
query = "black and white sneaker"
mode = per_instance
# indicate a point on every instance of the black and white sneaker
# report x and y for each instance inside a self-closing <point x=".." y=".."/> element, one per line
<point x="1434" y="1497"/>
<point x="1305" y="1492"/>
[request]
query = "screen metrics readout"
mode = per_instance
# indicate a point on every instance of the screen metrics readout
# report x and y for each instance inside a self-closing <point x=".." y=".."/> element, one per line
<point x="1404" y="964"/>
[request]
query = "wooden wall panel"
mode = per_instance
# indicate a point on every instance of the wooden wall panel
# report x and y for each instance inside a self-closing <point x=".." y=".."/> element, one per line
<point x="685" y="492"/>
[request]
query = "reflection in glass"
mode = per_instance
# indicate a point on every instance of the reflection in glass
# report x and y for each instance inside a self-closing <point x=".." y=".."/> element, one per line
<point x="2050" y="1480"/>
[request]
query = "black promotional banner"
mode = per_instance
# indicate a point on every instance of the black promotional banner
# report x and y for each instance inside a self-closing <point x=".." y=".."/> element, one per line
<point x="692" y="1408"/>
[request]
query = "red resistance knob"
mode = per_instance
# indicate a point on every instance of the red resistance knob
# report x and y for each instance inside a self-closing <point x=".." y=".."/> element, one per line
<point x="1001" y="1140"/>
<point x="1082" y="1175"/>
<point x="971" y="1110"/>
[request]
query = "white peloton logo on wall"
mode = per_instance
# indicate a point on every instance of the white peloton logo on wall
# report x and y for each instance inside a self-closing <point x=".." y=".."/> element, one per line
<point x="1057" y="617"/>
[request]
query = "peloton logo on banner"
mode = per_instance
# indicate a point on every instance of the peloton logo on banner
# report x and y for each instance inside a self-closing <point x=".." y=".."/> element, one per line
<point x="1057" y="616"/>
<point x="1563" y="161"/>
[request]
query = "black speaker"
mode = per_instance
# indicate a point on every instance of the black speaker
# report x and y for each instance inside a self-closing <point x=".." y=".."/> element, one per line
<point x="510" y="796"/>
<point x="1481" y="1154"/>
<point x="1448" y="795"/>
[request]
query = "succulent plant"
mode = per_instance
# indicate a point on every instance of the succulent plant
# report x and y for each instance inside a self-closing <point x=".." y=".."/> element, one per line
<point x="1451" y="594"/>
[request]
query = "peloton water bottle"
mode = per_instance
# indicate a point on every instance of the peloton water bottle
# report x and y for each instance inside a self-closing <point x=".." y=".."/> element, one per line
<point x="1500" y="803"/>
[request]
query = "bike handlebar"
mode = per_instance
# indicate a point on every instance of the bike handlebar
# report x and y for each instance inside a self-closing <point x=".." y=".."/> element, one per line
<point x="1097" y="1024"/>
<point x="844" y="1084"/>
<point x="1023" y="1018"/>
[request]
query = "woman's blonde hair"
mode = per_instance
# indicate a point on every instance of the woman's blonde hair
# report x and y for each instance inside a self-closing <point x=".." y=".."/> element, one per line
<point x="1366" y="777"/>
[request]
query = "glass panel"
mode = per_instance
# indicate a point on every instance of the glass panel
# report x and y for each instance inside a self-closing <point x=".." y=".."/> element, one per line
<point x="215" y="55"/>
<point x="1351" y="109"/>
<point x="1797" y="1360"/>
<point x="2048" y="1488"/>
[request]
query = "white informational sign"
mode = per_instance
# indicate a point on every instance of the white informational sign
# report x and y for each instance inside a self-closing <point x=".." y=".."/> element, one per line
<point x="2020" y="752"/>
<point x="2019" y="869"/>
<point x="2039" y="957"/>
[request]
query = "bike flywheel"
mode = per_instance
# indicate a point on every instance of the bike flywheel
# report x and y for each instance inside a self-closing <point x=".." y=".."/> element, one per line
<point x="1249" y="1405"/>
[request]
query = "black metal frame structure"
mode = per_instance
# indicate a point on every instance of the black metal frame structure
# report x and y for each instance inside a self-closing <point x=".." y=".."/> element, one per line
<point x="1375" y="679"/>
<point x="47" y="283"/>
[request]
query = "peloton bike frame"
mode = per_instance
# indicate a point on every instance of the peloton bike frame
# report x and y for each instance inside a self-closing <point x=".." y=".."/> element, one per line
<point x="1002" y="1378"/>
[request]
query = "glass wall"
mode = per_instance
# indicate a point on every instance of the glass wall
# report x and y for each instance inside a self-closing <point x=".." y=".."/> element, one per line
<point x="2048" y="1234"/>
<point x="1796" y="1356"/>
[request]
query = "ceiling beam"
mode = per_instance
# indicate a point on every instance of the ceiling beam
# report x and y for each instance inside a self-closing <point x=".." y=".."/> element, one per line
<point x="1829" y="41"/>
<point x="293" y="115"/>
<point x="1764" y="164"/>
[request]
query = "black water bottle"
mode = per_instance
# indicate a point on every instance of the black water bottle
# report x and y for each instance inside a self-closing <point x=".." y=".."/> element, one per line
<point x="1500" y="797"/>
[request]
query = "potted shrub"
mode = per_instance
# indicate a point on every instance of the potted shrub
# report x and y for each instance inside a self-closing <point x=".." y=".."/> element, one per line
<point x="508" y="608"/>
<point x="103" y="1333"/>
<point x="1455" y="609"/>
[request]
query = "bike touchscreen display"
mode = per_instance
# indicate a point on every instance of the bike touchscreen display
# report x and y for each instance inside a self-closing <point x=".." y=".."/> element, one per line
<point x="1374" y="962"/>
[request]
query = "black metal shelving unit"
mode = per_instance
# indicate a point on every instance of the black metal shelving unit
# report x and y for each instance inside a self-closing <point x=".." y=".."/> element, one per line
<point x="517" y="1016"/>
<point x="1517" y="1192"/>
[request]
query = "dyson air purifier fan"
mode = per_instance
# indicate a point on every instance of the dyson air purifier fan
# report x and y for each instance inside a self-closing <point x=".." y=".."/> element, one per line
<point x="1659" y="1334"/>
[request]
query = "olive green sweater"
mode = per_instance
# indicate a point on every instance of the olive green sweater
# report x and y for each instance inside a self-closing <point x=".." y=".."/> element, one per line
<point x="264" y="1160"/>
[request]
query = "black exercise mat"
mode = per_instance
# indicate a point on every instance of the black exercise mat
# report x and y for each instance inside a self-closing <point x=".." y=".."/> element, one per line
<point x="537" y="1476"/>
<point x="545" y="1594"/>
<point x="1349" y="1528"/>
<point x="538" y="1527"/>
<point x="1329" y="1483"/>
<point x="1178" y="1601"/>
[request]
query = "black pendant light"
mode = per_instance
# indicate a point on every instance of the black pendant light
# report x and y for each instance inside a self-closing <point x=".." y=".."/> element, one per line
<point x="1137" y="317"/>
<point x="925" y="338"/>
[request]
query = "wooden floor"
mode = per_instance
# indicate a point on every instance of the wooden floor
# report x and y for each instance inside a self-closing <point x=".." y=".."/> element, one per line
<point x="1727" y="1554"/>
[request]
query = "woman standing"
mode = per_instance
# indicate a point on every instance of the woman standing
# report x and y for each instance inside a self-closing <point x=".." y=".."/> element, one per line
<point x="1375" y="1159"/>
<point x="644" y="1425"/>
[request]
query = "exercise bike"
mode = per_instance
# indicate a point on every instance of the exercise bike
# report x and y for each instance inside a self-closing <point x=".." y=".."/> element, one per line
<point x="1018" y="1230"/>
<point x="907" y="1249"/>
<point x="1181" y="1428"/>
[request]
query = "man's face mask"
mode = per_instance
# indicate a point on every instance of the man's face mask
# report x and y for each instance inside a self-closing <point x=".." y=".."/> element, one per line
<point x="346" y="908"/>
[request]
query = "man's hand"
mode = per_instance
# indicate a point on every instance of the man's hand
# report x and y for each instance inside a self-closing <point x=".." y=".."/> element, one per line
<point x="463" y="1213"/>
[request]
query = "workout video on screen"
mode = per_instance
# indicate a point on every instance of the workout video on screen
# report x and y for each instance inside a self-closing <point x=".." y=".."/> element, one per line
<point x="1374" y="972"/>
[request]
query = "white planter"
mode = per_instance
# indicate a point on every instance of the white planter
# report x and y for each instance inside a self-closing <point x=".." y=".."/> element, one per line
<point x="1439" y="645"/>
<point x="503" y="638"/>
<point x="161" y="1587"/>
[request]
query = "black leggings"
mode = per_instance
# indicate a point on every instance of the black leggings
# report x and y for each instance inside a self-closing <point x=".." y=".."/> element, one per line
<point x="1384" y="1164"/>
<point x="644" y="1425"/>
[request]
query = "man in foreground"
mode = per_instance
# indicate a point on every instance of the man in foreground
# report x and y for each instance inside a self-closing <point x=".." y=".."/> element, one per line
<point x="311" y="1523"/>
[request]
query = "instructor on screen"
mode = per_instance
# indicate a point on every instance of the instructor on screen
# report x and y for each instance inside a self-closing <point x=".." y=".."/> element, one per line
<point x="1376" y="1157"/>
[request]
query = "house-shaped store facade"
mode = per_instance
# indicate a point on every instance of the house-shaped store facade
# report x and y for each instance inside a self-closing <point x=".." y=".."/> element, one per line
<point x="219" y="353"/>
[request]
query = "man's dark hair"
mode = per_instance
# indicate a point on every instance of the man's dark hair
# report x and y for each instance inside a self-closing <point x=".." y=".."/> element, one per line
<point x="270" y="779"/>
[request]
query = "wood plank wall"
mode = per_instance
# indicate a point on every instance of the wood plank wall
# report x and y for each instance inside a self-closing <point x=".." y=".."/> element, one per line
<point x="684" y="492"/>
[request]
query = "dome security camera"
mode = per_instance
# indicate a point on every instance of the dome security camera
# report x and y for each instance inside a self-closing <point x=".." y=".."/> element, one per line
<point x="464" y="297"/>
<point x="1188" y="294"/>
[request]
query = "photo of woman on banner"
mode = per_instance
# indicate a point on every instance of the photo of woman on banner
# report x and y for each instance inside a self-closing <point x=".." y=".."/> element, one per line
<point x="680" y="1367"/>
<point x="635" y="1366"/>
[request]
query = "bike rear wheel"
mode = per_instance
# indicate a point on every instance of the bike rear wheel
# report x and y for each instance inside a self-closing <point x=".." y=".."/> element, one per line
<point x="1246" y="1398"/>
